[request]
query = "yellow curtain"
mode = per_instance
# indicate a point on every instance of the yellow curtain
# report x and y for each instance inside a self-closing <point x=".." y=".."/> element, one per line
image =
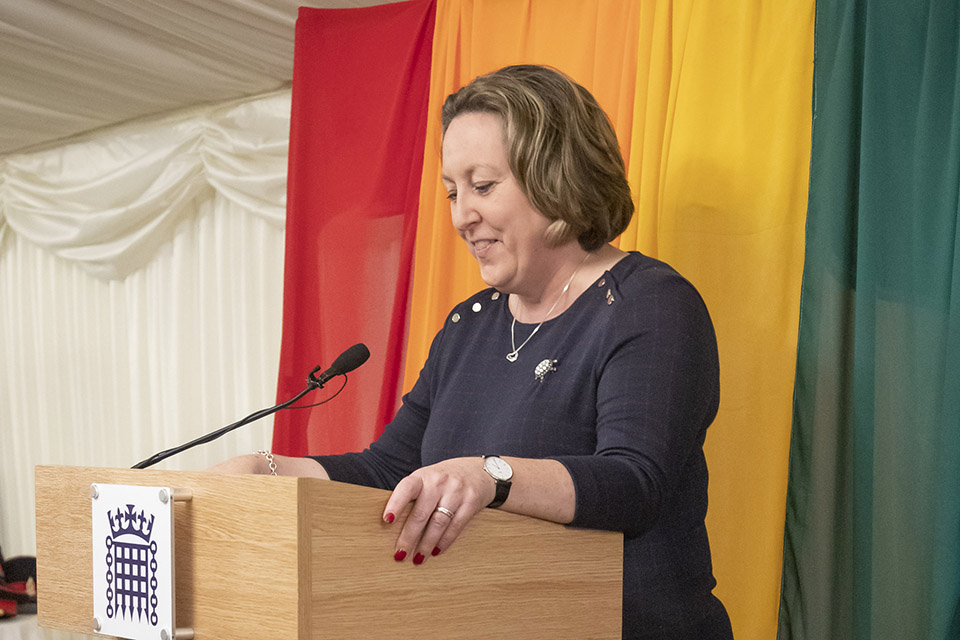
<point x="711" y="102"/>
<point x="719" y="165"/>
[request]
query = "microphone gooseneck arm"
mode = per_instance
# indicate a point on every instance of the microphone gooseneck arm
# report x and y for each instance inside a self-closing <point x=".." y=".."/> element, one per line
<point x="262" y="413"/>
<point x="345" y="363"/>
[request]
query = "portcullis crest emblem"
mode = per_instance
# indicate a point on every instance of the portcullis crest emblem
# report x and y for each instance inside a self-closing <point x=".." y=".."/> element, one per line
<point x="133" y="551"/>
<point x="131" y="558"/>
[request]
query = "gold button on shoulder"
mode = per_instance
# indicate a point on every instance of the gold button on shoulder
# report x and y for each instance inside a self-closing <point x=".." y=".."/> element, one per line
<point x="455" y="317"/>
<point x="495" y="296"/>
<point x="476" y="307"/>
<point x="602" y="282"/>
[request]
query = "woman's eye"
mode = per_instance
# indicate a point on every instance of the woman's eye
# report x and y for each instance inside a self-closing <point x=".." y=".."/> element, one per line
<point x="452" y="196"/>
<point x="483" y="187"/>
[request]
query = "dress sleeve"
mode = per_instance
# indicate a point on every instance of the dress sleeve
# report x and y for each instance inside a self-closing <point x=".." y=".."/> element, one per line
<point x="396" y="453"/>
<point x="658" y="391"/>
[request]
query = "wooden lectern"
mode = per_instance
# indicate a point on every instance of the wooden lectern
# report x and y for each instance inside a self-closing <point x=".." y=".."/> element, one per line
<point x="299" y="558"/>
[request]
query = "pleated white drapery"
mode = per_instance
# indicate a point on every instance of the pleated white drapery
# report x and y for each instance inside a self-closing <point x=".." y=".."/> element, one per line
<point x="141" y="275"/>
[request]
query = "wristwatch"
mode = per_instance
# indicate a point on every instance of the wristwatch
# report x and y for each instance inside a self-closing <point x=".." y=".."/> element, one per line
<point x="502" y="473"/>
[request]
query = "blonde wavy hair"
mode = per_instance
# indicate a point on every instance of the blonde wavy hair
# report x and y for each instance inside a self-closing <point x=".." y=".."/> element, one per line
<point x="561" y="146"/>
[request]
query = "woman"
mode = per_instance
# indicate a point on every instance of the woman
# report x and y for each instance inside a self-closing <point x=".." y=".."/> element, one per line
<point x="580" y="383"/>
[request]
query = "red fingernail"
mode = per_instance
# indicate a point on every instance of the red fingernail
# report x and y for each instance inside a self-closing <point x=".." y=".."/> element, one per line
<point x="389" y="518"/>
<point x="418" y="558"/>
<point x="435" y="552"/>
<point x="400" y="555"/>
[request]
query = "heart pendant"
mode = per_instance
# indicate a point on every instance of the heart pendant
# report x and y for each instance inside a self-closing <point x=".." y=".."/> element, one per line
<point x="512" y="356"/>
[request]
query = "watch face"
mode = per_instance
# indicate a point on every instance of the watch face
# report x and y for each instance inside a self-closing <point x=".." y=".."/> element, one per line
<point x="498" y="468"/>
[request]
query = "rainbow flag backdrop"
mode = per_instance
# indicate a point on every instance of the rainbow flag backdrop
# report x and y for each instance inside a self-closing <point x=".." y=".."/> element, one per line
<point x="799" y="162"/>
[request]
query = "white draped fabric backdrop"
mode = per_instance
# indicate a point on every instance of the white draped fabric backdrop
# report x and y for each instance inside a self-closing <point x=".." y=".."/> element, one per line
<point x="141" y="280"/>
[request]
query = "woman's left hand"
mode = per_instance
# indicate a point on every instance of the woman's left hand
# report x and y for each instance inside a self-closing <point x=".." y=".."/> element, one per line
<point x="444" y="496"/>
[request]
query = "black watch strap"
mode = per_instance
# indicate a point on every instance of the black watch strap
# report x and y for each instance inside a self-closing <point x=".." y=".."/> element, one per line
<point x="503" y="490"/>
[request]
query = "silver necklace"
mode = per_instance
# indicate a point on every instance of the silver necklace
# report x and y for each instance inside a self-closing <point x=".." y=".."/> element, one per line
<point x="513" y="355"/>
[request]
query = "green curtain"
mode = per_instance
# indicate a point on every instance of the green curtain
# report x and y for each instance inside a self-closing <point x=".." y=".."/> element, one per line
<point x="872" y="541"/>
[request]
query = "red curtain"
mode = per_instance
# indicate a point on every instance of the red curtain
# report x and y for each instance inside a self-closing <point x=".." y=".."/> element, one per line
<point x="358" y="120"/>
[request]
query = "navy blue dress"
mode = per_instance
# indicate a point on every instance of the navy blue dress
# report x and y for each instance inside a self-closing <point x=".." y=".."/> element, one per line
<point x="630" y="386"/>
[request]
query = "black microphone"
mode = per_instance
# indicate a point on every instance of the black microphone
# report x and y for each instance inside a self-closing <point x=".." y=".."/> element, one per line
<point x="345" y="363"/>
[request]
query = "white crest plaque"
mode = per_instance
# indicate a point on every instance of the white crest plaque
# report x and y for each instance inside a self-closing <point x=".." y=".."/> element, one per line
<point x="133" y="561"/>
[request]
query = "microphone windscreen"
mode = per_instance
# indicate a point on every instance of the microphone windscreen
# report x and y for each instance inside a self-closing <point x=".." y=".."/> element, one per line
<point x="349" y="360"/>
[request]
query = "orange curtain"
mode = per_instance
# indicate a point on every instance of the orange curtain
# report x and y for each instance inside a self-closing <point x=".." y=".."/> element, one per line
<point x="711" y="102"/>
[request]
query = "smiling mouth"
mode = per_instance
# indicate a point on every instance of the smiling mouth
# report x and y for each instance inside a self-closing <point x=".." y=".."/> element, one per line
<point x="482" y="247"/>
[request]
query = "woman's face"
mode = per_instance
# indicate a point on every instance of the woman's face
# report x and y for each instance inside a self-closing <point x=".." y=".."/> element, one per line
<point x="503" y="231"/>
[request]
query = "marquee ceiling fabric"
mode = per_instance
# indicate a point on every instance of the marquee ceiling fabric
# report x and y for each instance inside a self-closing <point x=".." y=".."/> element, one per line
<point x="70" y="66"/>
